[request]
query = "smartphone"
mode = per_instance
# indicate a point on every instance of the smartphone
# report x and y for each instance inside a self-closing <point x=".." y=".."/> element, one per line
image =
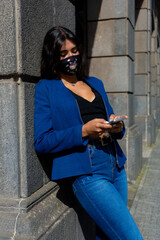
<point x="117" y="120"/>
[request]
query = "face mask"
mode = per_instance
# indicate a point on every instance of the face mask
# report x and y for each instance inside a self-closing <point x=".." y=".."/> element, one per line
<point x="69" y="66"/>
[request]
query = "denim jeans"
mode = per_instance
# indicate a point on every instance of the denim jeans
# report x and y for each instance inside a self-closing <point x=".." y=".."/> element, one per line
<point x="103" y="194"/>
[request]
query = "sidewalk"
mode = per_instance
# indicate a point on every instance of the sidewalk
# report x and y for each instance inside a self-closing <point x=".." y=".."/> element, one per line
<point x="144" y="197"/>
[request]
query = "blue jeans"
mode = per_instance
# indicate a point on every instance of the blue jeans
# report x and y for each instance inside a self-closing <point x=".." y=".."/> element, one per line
<point x="103" y="195"/>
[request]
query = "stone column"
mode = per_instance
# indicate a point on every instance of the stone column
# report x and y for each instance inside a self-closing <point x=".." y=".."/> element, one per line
<point x="111" y="54"/>
<point x="143" y="116"/>
<point x="158" y="84"/>
<point x="154" y="45"/>
<point x="31" y="206"/>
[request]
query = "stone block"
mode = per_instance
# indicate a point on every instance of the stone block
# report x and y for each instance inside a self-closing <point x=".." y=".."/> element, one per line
<point x="69" y="228"/>
<point x="7" y="223"/>
<point x="123" y="38"/>
<point x="154" y="43"/>
<point x="35" y="27"/>
<point x="149" y="21"/>
<point x="150" y="138"/>
<point x="130" y="42"/>
<point x="158" y="116"/>
<point x="158" y="72"/>
<point x="141" y="84"/>
<point x="153" y="59"/>
<point x="30" y="29"/>
<point x="8" y="63"/>
<point x="146" y="126"/>
<point x="64" y="14"/>
<point x="140" y="121"/>
<point x="149" y="62"/>
<point x="153" y="104"/>
<point x="150" y="4"/>
<point x="32" y="172"/>
<point x="158" y="55"/>
<point x="134" y="153"/>
<point x="141" y="19"/>
<point x="154" y="127"/>
<point x="108" y="38"/>
<point x="115" y="72"/>
<point x="123" y="104"/>
<point x="101" y="38"/>
<point x="100" y="10"/>
<point x="9" y="140"/>
<point x="131" y="11"/>
<point x="141" y="41"/>
<point x="149" y="41"/>
<point x="154" y="88"/>
<point x="55" y="215"/>
<point x="149" y="82"/>
<point x="154" y="74"/>
<point x="141" y="63"/>
<point x="158" y="93"/>
<point x="36" y="19"/>
<point x="140" y="105"/>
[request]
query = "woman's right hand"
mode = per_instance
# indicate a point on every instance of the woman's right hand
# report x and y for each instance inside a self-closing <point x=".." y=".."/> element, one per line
<point x="95" y="128"/>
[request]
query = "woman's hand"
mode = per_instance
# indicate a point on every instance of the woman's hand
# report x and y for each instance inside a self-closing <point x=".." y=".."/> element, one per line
<point x="117" y="127"/>
<point x="95" y="128"/>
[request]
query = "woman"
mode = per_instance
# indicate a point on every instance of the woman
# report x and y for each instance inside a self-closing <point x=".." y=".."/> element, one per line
<point x="71" y="111"/>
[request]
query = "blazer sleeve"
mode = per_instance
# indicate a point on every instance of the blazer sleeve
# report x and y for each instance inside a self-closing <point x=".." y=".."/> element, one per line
<point x="120" y="134"/>
<point x="110" y="112"/>
<point x="46" y="138"/>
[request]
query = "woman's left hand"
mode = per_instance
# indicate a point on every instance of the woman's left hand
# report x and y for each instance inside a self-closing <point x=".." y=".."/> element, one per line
<point x="117" y="127"/>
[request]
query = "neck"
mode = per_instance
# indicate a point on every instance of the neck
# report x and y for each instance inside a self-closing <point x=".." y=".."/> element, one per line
<point x="69" y="79"/>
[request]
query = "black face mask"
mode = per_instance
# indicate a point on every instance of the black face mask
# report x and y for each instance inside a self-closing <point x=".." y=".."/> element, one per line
<point x="69" y="66"/>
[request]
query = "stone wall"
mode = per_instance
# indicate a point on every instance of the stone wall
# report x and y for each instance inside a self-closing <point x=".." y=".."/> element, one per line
<point x="124" y="52"/>
<point x="146" y="63"/>
<point x="31" y="206"/>
<point x="111" y="52"/>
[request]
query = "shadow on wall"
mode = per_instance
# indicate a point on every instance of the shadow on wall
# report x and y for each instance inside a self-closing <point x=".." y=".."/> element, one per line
<point x="66" y="196"/>
<point x="138" y="4"/>
<point x="65" y="193"/>
<point x="86" y="12"/>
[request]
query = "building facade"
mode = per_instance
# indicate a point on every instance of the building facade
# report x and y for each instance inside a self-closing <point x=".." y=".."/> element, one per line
<point x="122" y="42"/>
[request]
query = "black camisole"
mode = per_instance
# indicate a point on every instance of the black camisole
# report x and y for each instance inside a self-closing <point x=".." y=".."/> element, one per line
<point x="91" y="110"/>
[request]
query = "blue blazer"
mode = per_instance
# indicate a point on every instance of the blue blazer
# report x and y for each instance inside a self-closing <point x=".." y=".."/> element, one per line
<point x="58" y="128"/>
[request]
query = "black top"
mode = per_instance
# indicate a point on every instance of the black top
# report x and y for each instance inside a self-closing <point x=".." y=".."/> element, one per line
<point x="91" y="110"/>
